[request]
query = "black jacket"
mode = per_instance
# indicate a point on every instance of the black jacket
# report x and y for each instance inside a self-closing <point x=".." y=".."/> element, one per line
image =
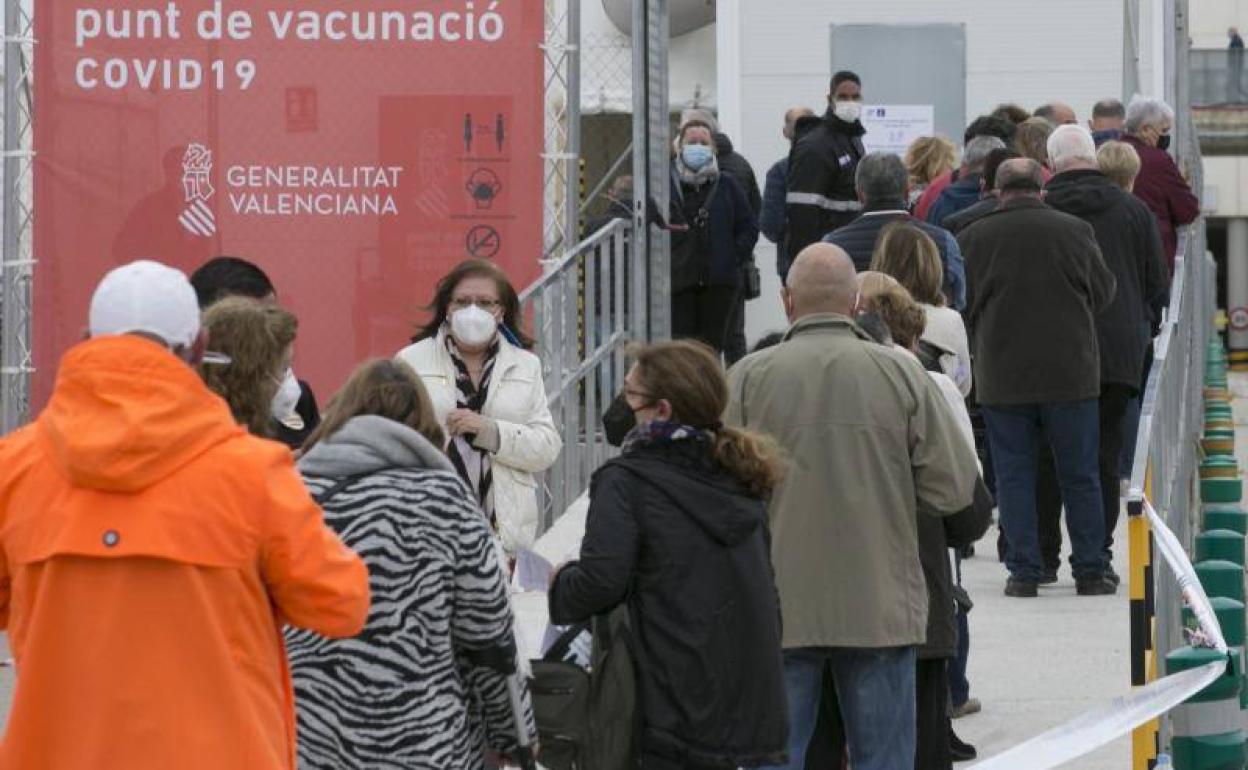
<point x="679" y="540"/>
<point x="821" y="195"/>
<point x="859" y="236"/>
<point x="959" y="221"/>
<point x="1035" y="281"/>
<point x="1131" y="245"/>
<point x="710" y="251"/>
<point x="736" y="166"/>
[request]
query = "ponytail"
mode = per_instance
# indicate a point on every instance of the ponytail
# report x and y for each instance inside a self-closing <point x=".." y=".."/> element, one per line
<point x="751" y="458"/>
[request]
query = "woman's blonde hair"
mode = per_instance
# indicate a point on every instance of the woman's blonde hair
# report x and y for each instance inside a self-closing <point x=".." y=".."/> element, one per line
<point x="689" y="376"/>
<point x="255" y="335"/>
<point x="908" y="254"/>
<point x="1032" y="140"/>
<point x="928" y="157"/>
<point x="384" y="388"/>
<point x="1120" y="162"/>
<point x="903" y="316"/>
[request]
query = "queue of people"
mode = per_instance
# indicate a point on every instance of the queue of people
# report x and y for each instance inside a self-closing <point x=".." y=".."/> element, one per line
<point x="789" y="563"/>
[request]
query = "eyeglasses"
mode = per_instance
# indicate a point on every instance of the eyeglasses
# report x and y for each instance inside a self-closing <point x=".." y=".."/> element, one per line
<point x="462" y="303"/>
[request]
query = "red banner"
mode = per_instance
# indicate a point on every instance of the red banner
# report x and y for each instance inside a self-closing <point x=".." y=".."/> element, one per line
<point x="354" y="149"/>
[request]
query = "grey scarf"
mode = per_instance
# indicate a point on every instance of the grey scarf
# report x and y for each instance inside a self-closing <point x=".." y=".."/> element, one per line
<point x="370" y="443"/>
<point x="709" y="173"/>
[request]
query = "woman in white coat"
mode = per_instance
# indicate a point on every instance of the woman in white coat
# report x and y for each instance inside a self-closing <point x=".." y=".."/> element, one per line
<point x="487" y="392"/>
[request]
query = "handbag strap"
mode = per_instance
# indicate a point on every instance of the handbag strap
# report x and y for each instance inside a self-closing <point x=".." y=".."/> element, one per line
<point x="559" y="650"/>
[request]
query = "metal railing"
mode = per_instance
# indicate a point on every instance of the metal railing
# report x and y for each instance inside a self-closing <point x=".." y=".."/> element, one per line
<point x="1218" y="77"/>
<point x="583" y="311"/>
<point x="1166" y="465"/>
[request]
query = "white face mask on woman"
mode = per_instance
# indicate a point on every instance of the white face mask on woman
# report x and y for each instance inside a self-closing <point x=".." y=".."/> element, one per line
<point x="473" y="326"/>
<point x="287" y="396"/>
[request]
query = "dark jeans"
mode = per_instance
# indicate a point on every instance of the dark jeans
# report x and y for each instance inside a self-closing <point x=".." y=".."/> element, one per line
<point x="1071" y="428"/>
<point x="931" y="707"/>
<point x="703" y="314"/>
<point x="875" y="689"/>
<point x="1113" y="405"/>
<point x="735" y="346"/>
<point x="959" y="685"/>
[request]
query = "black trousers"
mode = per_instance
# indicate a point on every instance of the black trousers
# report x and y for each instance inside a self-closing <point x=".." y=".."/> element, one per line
<point x="703" y="314"/>
<point x="1113" y="406"/>
<point x="931" y="701"/>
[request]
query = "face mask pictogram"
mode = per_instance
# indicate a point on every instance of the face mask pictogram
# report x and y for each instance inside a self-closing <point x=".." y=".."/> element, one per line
<point x="484" y="186"/>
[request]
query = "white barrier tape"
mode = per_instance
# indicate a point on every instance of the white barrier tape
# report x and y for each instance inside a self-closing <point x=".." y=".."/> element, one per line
<point x="1185" y="573"/>
<point x="1193" y="720"/>
<point x="1095" y="728"/>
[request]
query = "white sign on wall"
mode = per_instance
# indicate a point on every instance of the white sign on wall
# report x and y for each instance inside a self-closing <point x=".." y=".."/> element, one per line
<point x="892" y="127"/>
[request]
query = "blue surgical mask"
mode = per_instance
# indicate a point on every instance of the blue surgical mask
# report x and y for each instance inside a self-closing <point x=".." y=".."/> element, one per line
<point x="696" y="156"/>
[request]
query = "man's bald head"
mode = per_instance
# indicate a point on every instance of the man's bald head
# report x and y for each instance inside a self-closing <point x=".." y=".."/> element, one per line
<point x="821" y="280"/>
<point x="791" y="116"/>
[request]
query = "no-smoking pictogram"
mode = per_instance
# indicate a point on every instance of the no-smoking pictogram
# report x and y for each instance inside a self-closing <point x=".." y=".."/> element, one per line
<point x="483" y="242"/>
<point x="1239" y="319"/>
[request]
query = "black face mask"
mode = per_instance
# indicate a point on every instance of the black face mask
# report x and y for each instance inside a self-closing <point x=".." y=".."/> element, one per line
<point x="1163" y="142"/>
<point x="618" y="420"/>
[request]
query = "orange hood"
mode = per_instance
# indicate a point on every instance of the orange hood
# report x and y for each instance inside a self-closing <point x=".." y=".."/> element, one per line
<point x="126" y="413"/>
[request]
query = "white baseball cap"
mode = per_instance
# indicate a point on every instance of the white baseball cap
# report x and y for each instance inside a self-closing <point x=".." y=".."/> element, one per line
<point x="146" y="296"/>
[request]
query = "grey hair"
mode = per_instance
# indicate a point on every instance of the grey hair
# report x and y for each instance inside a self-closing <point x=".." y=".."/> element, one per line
<point x="881" y="176"/>
<point x="1145" y="111"/>
<point x="976" y="152"/>
<point x="1021" y="175"/>
<point x="1071" y="143"/>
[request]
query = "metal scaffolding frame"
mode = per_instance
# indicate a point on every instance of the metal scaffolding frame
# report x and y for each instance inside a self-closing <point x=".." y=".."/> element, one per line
<point x="18" y="261"/>
<point x="652" y="164"/>
<point x="561" y="155"/>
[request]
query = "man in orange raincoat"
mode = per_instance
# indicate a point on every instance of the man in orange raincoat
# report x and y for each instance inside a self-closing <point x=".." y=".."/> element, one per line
<point x="150" y="552"/>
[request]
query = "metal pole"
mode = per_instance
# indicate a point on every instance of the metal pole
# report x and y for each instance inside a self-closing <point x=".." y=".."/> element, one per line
<point x="572" y="186"/>
<point x="639" y="254"/>
<point x="658" y="118"/>
<point x="13" y="285"/>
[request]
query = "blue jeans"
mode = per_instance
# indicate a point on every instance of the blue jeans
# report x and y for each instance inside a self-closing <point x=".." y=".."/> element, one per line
<point x="1072" y="429"/>
<point x="875" y="691"/>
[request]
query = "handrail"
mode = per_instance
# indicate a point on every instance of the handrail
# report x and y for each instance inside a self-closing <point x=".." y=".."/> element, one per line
<point x="552" y="268"/>
<point x="585" y="312"/>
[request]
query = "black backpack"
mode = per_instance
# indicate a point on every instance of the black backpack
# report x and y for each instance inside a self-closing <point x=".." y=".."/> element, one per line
<point x="589" y="720"/>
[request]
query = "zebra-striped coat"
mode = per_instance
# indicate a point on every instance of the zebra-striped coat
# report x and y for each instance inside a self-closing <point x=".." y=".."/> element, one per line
<point x="395" y="696"/>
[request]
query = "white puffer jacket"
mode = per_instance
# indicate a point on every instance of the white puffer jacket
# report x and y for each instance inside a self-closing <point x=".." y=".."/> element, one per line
<point x="528" y="442"/>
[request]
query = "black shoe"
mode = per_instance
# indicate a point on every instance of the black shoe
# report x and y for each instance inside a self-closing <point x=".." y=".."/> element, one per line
<point x="1021" y="589"/>
<point x="1112" y="576"/>
<point x="968" y="551"/>
<point x="1049" y="577"/>
<point x="1097" y="586"/>
<point x="960" y="750"/>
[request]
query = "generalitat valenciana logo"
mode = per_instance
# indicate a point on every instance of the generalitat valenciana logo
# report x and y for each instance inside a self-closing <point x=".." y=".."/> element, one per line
<point x="197" y="216"/>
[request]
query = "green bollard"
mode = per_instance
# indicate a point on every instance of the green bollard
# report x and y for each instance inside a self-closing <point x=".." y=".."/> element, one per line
<point x="1221" y="490"/>
<point x="1221" y="578"/>
<point x="1230" y="614"/>
<point x="1207" y="731"/>
<point x="1220" y="544"/>
<point x="1224" y="516"/>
